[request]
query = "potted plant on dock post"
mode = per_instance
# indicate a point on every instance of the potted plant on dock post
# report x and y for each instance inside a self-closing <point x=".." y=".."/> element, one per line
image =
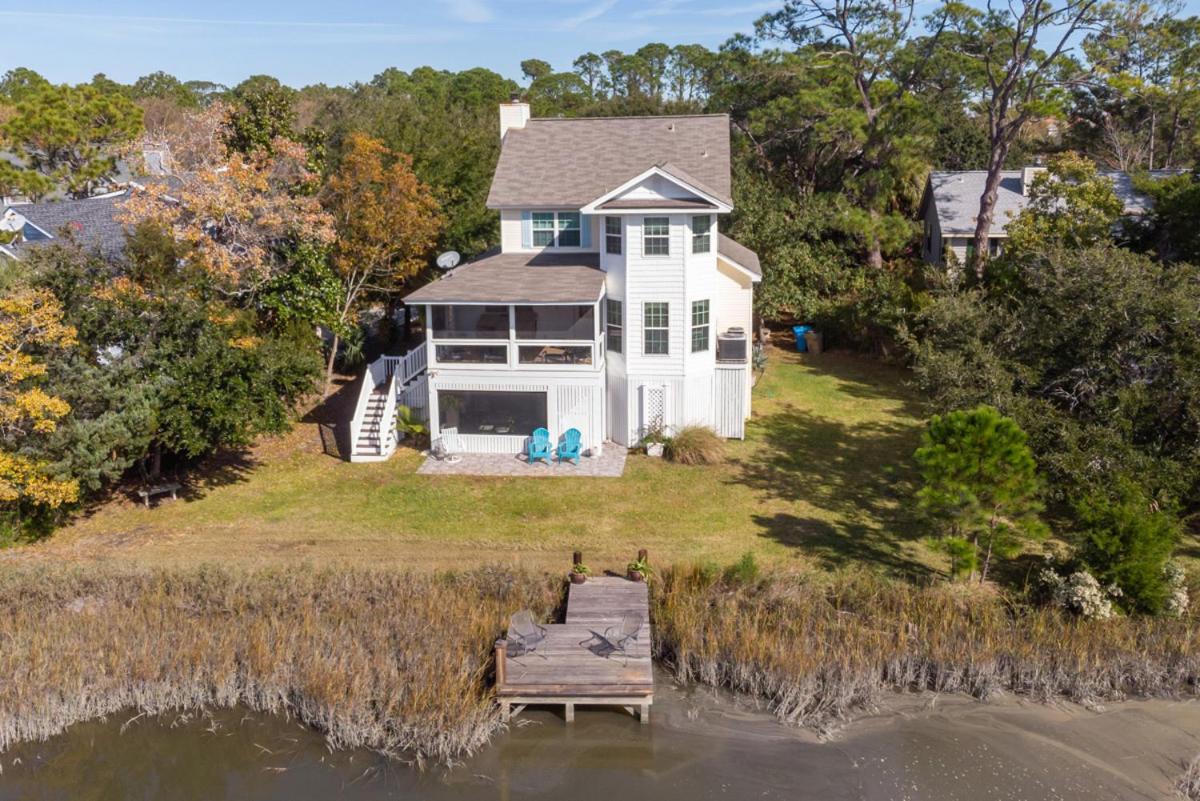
<point x="579" y="573"/>
<point x="639" y="569"/>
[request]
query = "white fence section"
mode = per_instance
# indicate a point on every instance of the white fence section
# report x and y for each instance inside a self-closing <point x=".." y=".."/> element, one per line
<point x="729" y="401"/>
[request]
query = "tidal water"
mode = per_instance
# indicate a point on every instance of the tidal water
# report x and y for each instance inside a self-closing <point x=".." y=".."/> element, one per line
<point x="699" y="745"/>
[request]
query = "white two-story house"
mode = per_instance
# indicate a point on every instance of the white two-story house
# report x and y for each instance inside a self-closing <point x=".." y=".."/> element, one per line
<point x="613" y="305"/>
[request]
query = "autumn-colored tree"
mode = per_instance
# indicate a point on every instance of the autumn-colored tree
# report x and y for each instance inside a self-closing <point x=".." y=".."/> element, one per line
<point x="237" y="215"/>
<point x="387" y="223"/>
<point x="30" y="322"/>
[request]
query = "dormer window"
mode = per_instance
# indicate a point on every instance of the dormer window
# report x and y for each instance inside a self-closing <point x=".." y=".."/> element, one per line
<point x="556" y="229"/>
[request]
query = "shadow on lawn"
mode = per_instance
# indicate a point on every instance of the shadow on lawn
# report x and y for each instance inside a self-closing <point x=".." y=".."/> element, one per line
<point x="332" y="415"/>
<point x="861" y="474"/>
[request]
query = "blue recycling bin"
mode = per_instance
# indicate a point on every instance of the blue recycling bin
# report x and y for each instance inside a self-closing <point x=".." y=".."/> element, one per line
<point x="800" y="331"/>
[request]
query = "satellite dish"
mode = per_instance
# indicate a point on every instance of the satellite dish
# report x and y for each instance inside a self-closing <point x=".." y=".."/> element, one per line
<point x="449" y="260"/>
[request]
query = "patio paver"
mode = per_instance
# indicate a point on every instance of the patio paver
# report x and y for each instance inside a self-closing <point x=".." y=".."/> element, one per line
<point x="609" y="464"/>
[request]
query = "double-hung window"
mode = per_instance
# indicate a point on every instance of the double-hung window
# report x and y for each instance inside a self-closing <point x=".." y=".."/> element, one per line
<point x="656" y="236"/>
<point x="701" y="233"/>
<point x="615" y="324"/>
<point x="555" y="229"/>
<point x="612" y="235"/>
<point x="699" y="325"/>
<point x="656" y="329"/>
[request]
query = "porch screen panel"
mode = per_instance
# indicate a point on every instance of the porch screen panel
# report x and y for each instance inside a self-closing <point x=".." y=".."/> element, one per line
<point x="483" y="412"/>
<point x="470" y="322"/>
<point x="555" y="322"/>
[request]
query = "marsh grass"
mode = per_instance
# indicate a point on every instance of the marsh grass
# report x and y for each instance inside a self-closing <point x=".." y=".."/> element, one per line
<point x="1188" y="785"/>
<point x="819" y="649"/>
<point x="402" y="662"/>
<point x="383" y="660"/>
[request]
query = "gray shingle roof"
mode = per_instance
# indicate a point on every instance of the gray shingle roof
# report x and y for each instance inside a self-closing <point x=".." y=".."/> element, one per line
<point x="518" y="278"/>
<point x="956" y="195"/>
<point x="569" y="162"/>
<point x="739" y="253"/>
<point x="92" y="221"/>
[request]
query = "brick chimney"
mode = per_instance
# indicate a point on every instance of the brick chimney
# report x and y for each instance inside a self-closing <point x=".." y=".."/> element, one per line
<point x="513" y="114"/>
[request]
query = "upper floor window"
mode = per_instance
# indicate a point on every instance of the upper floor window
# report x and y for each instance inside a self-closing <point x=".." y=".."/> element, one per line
<point x="656" y="329"/>
<point x="699" y="325"/>
<point x="701" y="234"/>
<point x="556" y="229"/>
<point x="612" y="235"/>
<point x="656" y="236"/>
<point x="615" y="324"/>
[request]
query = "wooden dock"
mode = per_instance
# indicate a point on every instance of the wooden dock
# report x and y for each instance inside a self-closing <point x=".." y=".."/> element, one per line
<point x="573" y="666"/>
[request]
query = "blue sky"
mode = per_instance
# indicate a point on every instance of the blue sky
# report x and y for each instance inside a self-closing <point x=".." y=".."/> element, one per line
<point x="306" y="41"/>
<point x="317" y="41"/>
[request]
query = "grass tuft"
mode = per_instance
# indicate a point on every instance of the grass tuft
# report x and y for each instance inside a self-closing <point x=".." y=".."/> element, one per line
<point x="695" y="445"/>
<point x="1188" y="785"/>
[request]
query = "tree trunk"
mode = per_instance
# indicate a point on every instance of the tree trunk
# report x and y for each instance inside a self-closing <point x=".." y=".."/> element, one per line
<point x="156" y="461"/>
<point x="875" y="253"/>
<point x="987" y="206"/>
<point x="987" y="559"/>
<point x="1153" y="125"/>
<point x="974" y="554"/>
<point x="329" y="365"/>
<point x="1172" y="139"/>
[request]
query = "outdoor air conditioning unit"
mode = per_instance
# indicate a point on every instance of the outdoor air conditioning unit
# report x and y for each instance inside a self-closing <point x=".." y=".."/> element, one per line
<point x="732" y="345"/>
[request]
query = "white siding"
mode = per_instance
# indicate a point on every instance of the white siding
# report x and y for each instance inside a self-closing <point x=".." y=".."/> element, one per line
<point x="654" y="279"/>
<point x="734" y="303"/>
<point x="656" y="187"/>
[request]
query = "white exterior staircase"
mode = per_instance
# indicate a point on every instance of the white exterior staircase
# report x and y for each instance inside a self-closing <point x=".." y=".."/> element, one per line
<point x="387" y="381"/>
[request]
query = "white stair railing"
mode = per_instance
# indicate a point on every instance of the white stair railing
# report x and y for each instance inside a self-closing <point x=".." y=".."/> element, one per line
<point x="387" y="425"/>
<point x="373" y="376"/>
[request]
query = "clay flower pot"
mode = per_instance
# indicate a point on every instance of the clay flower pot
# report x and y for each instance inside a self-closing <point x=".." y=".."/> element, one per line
<point x="578" y="578"/>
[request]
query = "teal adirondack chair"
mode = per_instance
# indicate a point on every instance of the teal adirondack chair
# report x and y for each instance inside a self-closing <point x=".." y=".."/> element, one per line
<point x="569" y="448"/>
<point x="540" y="446"/>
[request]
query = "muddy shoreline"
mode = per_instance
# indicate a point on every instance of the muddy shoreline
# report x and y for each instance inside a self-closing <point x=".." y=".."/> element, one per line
<point x="702" y="744"/>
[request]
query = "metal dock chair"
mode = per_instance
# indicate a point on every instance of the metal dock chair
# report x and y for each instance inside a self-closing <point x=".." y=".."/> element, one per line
<point x="526" y="633"/>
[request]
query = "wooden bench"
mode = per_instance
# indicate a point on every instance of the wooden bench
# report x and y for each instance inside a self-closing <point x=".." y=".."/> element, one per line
<point x="147" y="493"/>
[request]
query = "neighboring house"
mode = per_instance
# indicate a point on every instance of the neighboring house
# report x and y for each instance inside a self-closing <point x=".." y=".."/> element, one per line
<point x="613" y="305"/>
<point x="93" y="222"/>
<point x="950" y="207"/>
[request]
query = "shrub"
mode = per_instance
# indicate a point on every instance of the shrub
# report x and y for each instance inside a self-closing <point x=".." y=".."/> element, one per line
<point x="980" y="478"/>
<point x="743" y="571"/>
<point x="695" y="445"/>
<point x="1080" y="593"/>
<point x="1127" y="542"/>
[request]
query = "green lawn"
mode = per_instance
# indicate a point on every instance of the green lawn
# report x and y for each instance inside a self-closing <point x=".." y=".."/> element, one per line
<point x="824" y="478"/>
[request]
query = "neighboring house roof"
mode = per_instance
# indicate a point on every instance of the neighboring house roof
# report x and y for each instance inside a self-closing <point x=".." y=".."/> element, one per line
<point x="518" y="278"/>
<point x="569" y="162"/>
<point x="739" y="254"/>
<point x="92" y="221"/>
<point x="956" y="197"/>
